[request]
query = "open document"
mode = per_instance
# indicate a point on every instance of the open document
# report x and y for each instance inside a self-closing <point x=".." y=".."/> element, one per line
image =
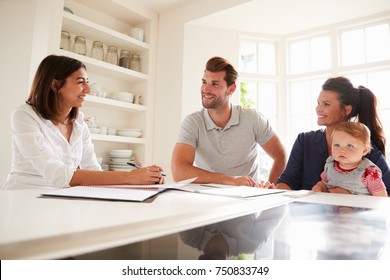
<point x="137" y="193"/>
<point x="236" y="191"/>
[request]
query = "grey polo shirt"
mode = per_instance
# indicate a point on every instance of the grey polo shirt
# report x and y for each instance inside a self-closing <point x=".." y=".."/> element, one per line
<point x="232" y="150"/>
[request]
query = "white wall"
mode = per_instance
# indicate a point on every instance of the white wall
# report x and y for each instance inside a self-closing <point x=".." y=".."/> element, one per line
<point x="209" y="42"/>
<point x="182" y="52"/>
<point x="17" y="30"/>
<point x="24" y="25"/>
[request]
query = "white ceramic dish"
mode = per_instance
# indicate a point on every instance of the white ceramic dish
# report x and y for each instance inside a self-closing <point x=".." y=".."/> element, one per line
<point x="119" y="165"/>
<point x="121" y="153"/>
<point x="129" y="133"/>
<point x="131" y="129"/>
<point x="114" y="154"/>
<point x="121" y="168"/>
<point x="124" y="99"/>
<point x="123" y="96"/>
<point x="94" y="130"/>
<point x="116" y="160"/>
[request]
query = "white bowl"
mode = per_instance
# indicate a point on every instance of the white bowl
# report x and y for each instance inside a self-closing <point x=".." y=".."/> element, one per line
<point x="111" y="131"/>
<point x="129" y="133"/>
<point x="114" y="160"/>
<point x="130" y="129"/>
<point x="123" y="96"/>
<point x="121" y="153"/>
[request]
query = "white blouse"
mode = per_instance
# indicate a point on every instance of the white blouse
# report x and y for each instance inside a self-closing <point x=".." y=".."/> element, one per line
<point x="41" y="156"/>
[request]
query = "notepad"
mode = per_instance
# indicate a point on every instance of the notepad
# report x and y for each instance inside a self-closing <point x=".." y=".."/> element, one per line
<point x="136" y="193"/>
<point x="236" y="191"/>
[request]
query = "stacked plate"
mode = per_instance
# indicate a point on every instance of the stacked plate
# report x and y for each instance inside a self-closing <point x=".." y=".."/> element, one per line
<point x="119" y="159"/>
<point x="129" y="132"/>
<point x="123" y="96"/>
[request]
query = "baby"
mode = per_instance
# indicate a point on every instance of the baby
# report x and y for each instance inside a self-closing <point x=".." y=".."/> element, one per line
<point x="347" y="168"/>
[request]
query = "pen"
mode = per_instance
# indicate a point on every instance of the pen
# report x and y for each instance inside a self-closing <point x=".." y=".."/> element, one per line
<point x="137" y="166"/>
<point x="134" y="165"/>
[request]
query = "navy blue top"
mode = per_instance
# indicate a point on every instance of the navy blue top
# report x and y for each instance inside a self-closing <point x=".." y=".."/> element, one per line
<point x="308" y="157"/>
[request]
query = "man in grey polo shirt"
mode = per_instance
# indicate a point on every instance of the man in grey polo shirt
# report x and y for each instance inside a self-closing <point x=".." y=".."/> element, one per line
<point x="219" y="143"/>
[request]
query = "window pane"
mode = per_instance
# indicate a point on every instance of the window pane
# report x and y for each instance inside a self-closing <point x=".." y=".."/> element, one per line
<point x="379" y="84"/>
<point x="267" y="58"/>
<point x="378" y="43"/>
<point x="299" y="124"/>
<point x="248" y="56"/>
<point x="352" y="47"/>
<point x="268" y="102"/>
<point x="303" y="100"/>
<point x="300" y="98"/>
<point x="299" y="59"/>
<point x="267" y="99"/>
<point x="320" y="53"/>
<point x="315" y="89"/>
<point x="357" y="79"/>
<point x="385" y="119"/>
<point x="248" y="95"/>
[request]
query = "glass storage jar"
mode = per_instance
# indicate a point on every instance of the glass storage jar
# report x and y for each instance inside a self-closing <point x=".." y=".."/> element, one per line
<point x="124" y="59"/>
<point x="79" y="45"/>
<point x="112" y="55"/>
<point x="65" y="41"/>
<point x="135" y="62"/>
<point x="97" y="50"/>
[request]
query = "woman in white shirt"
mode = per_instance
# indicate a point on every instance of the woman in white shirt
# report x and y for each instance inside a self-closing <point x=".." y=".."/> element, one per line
<point x="51" y="143"/>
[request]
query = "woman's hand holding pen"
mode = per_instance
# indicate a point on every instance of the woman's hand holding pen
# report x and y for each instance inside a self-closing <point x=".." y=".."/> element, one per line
<point x="148" y="175"/>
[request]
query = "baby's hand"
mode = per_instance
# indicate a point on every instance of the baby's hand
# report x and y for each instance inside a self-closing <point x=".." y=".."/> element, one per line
<point x="338" y="190"/>
<point x="316" y="189"/>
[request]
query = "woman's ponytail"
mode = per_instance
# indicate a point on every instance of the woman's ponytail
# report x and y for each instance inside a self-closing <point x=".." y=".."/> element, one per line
<point x="367" y="114"/>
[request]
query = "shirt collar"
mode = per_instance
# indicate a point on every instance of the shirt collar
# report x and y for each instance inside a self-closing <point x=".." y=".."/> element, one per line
<point x="234" y="119"/>
<point x="77" y="127"/>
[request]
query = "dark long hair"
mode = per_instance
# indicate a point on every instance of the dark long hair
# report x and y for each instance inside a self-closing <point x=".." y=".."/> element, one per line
<point x="42" y="97"/>
<point x="364" y="107"/>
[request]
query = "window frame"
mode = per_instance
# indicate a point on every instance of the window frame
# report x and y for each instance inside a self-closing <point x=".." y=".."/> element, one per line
<point x="284" y="78"/>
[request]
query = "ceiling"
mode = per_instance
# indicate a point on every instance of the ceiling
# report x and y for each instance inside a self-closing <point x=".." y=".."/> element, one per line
<point x="281" y="17"/>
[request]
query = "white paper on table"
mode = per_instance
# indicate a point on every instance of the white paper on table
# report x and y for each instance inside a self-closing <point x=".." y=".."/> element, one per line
<point x="117" y="192"/>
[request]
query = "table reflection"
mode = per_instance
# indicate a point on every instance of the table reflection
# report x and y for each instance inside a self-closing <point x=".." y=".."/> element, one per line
<point x="296" y="231"/>
<point x="231" y="238"/>
<point x="316" y="231"/>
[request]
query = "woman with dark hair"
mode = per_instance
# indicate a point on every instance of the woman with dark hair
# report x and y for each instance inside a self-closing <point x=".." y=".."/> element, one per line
<point x="338" y="102"/>
<point x="51" y="143"/>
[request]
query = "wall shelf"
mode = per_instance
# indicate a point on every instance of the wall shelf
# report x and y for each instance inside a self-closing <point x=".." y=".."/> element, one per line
<point x="113" y="104"/>
<point x="119" y="139"/>
<point x="106" y="22"/>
